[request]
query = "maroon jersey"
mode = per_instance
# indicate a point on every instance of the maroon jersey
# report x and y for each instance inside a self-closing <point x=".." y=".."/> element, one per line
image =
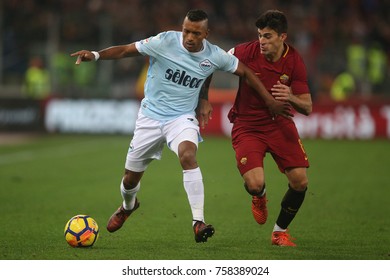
<point x="289" y="70"/>
<point x="254" y="131"/>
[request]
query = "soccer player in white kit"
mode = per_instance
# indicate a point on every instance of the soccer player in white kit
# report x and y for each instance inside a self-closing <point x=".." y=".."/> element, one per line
<point x="179" y="65"/>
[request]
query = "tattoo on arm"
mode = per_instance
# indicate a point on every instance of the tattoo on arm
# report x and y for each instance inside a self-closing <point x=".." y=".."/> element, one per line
<point x="204" y="91"/>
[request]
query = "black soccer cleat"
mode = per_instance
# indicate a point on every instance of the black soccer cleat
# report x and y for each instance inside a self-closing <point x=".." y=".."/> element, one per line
<point x="202" y="231"/>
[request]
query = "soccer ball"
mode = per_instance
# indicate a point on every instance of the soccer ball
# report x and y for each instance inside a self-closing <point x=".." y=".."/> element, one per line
<point x="81" y="231"/>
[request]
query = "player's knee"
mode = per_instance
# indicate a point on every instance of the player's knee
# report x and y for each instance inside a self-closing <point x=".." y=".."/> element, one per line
<point x="297" y="178"/>
<point x="254" y="187"/>
<point x="130" y="181"/>
<point x="188" y="160"/>
<point x="299" y="185"/>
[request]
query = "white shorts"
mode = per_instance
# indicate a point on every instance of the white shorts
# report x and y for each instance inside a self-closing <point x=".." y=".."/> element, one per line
<point x="150" y="136"/>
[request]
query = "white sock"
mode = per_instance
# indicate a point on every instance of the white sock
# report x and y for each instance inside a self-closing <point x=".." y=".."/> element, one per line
<point x="278" y="228"/>
<point x="129" y="196"/>
<point x="193" y="184"/>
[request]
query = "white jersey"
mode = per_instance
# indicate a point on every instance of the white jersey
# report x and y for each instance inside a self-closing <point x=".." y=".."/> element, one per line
<point x="175" y="75"/>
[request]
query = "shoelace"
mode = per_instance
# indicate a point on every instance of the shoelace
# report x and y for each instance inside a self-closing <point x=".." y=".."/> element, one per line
<point x="122" y="213"/>
<point x="258" y="201"/>
<point x="286" y="237"/>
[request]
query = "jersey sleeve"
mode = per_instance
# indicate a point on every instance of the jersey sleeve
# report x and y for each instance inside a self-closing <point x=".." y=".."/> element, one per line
<point x="299" y="84"/>
<point x="226" y="61"/>
<point x="150" y="46"/>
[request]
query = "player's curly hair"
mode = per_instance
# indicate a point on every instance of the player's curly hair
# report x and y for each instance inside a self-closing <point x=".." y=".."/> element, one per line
<point x="197" y="15"/>
<point x="274" y="19"/>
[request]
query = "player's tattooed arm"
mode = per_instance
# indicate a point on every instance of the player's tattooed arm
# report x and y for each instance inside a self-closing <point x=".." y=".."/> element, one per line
<point x="204" y="91"/>
<point x="204" y="109"/>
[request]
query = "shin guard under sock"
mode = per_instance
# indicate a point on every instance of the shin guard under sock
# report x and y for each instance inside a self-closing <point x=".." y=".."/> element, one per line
<point x="291" y="203"/>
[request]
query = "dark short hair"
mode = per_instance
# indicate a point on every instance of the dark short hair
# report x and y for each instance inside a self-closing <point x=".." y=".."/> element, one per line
<point x="197" y="15"/>
<point x="274" y="19"/>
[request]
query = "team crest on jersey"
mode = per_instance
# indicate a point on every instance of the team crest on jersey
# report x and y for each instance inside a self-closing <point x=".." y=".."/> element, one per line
<point x="284" y="79"/>
<point x="145" y="41"/>
<point x="243" y="160"/>
<point x="205" y="65"/>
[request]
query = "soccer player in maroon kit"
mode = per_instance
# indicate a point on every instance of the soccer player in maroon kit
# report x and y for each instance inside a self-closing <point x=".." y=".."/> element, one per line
<point x="256" y="131"/>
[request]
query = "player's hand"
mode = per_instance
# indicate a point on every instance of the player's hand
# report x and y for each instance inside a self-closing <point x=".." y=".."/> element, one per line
<point x="281" y="92"/>
<point x="280" y="108"/>
<point x="83" y="56"/>
<point x="204" y="112"/>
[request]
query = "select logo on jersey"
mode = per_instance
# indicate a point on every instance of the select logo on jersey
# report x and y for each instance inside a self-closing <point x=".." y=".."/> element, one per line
<point x="205" y="65"/>
<point x="182" y="78"/>
<point x="284" y="79"/>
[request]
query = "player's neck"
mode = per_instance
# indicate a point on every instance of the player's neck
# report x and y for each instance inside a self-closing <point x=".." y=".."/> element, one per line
<point x="273" y="57"/>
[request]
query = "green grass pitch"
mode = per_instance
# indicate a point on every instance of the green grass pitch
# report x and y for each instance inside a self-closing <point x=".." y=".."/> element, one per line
<point x="46" y="181"/>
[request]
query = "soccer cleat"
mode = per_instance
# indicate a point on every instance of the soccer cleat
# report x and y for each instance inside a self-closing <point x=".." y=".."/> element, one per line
<point x="202" y="231"/>
<point x="282" y="238"/>
<point x="259" y="209"/>
<point x="119" y="217"/>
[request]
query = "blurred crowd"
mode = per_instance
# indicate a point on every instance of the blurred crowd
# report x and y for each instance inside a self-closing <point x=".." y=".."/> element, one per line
<point x="345" y="44"/>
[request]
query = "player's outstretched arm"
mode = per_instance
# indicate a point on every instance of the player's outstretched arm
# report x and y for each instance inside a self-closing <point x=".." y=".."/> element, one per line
<point x="114" y="52"/>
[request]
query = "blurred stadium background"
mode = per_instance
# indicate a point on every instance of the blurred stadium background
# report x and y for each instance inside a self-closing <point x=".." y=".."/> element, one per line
<point x="345" y="46"/>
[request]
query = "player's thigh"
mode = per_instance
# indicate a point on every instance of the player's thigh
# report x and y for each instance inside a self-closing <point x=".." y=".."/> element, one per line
<point x="184" y="128"/>
<point x="249" y="153"/>
<point x="187" y="135"/>
<point x="146" y="145"/>
<point x="287" y="149"/>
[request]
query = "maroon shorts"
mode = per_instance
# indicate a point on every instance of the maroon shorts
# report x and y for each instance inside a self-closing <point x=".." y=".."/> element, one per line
<point x="282" y="141"/>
